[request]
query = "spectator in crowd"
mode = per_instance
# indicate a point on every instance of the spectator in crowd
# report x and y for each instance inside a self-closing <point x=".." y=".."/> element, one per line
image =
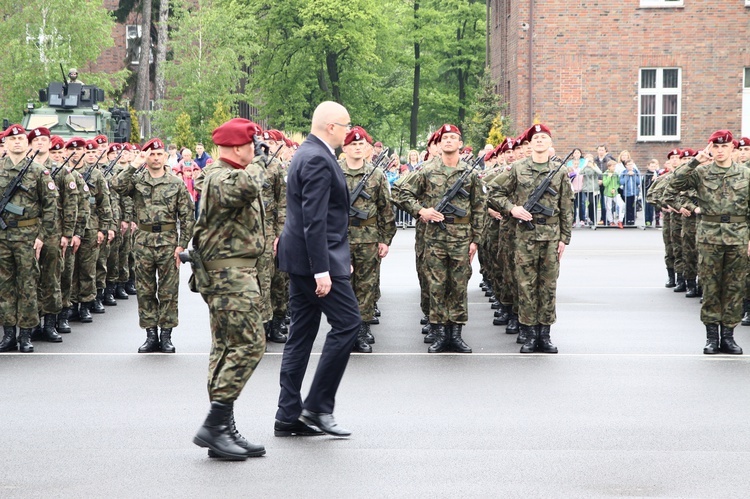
<point x="377" y="148"/>
<point x="186" y="161"/>
<point x="575" y="165"/>
<point x="622" y="160"/>
<point x="652" y="214"/>
<point x="173" y="158"/>
<point x="630" y="182"/>
<point x="201" y="156"/>
<point x="611" y="183"/>
<point x="601" y="160"/>
<point x="590" y="188"/>
<point x="412" y="161"/>
<point x="392" y="174"/>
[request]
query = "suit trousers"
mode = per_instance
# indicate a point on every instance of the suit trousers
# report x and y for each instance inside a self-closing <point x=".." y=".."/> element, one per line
<point x="342" y="312"/>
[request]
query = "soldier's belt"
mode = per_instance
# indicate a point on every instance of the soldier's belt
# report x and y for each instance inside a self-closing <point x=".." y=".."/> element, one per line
<point x="156" y="227"/>
<point x="356" y="222"/>
<point x="224" y="263"/>
<point x="546" y="220"/>
<point x="13" y="224"/>
<point x="457" y="220"/>
<point x="724" y="219"/>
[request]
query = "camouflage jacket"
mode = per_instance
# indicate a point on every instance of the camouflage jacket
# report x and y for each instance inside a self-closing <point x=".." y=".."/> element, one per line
<point x="84" y="207"/>
<point x="426" y="187"/>
<point x="720" y="191"/>
<point x="97" y="193"/>
<point x="514" y="189"/>
<point x="162" y="200"/>
<point x="274" y="196"/>
<point x="126" y="202"/>
<point x="67" y="202"/>
<point x="231" y="222"/>
<point x="379" y="206"/>
<point x="656" y="191"/>
<point x="38" y="201"/>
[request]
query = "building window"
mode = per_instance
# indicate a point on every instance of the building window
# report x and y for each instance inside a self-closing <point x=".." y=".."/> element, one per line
<point x="663" y="4"/>
<point x="133" y="42"/>
<point x="659" y="93"/>
<point x="746" y="104"/>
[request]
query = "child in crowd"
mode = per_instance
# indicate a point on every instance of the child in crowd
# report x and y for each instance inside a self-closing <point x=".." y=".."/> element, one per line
<point x="611" y="183"/>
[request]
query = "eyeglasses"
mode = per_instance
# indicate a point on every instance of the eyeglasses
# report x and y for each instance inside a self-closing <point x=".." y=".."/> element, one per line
<point x="348" y="126"/>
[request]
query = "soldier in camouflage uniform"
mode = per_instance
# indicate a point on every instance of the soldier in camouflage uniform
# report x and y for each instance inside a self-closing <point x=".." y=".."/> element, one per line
<point x="369" y="237"/>
<point x="449" y="251"/>
<point x="659" y="199"/>
<point x="230" y="237"/>
<point x="743" y="158"/>
<point x="106" y="264"/>
<point x="538" y="250"/>
<point x="49" y="295"/>
<point x="117" y="264"/>
<point x="22" y="240"/>
<point x="160" y="202"/>
<point x="126" y="262"/>
<point x="671" y="198"/>
<point x="723" y="191"/>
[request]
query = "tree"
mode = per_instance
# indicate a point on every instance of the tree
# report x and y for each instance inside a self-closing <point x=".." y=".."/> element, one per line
<point x="221" y="115"/>
<point x="486" y="111"/>
<point x="161" y="53"/>
<point x="135" y="126"/>
<point x="183" y="133"/>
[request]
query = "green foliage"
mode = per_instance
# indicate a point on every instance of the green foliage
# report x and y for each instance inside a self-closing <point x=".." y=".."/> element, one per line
<point x="38" y="35"/>
<point x="135" y="126"/>
<point x="183" y="133"/>
<point x="498" y="132"/>
<point x="486" y="113"/>
<point x="221" y="115"/>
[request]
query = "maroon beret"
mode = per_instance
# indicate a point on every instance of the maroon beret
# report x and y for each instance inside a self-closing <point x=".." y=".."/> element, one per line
<point x="90" y="145"/>
<point x="378" y="144"/>
<point x="446" y="129"/>
<point x="493" y="153"/>
<point x="674" y="152"/>
<point x="688" y="153"/>
<point x="14" y="130"/>
<point x="743" y="142"/>
<point x="75" y="142"/>
<point x="538" y="128"/>
<point x="295" y="145"/>
<point x="101" y="139"/>
<point x="288" y="142"/>
<point x="518" y="141"/>
<point x="235" y="132"/>
<point x="2" y="137"/>
<point x="135" y="147"/>
<point x="114" y="147"/>
<point x="39" y="132"/>
<point x="468" y="149"/>
<point x="57" y="143"/>
<point x="721" y="137"/>
<point x="153" y="144"/>
<point x="357" y="133"/>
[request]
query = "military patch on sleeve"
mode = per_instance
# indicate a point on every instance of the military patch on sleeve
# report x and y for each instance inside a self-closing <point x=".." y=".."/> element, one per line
<point x="72" y="185"/>
<point x="86" y="188"/>
<point x="46" y="172"/>
<point x="285" y="177"/>
<point x="51" y="186"/>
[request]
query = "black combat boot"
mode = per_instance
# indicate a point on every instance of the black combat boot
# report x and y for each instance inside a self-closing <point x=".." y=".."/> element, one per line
<point x="692" y="289"/>
<point x="217" y="434"/>
<point x="512" y="327"/>
<point x="483" y="285"/>
<point x="727" y="344"/>
<point x="252" y="449"/>
<point x="377" y="310"/>
<point x="368" y="335"/>
<point x="166" y="340"/>
<point x="274" y="334"/>
<point x="360" y="344"/>
<point x="441" y="339"/>
<point x="374" y="321"/>
<point x="712" y="339"/>
<point x="496" y="305"/>
<point x="492" y="298"/>
<point x="530" y="344"/>
<point x="424" y="320"/>
<point x="426" y="330"/>
<point x="49" y="333"/>
<point x="670" y="279"/>
<point x="130" y="287"/>
<point x="108" y="297"/>
<point x="9" y="342"/>
<point x="502" y="316"/>
<point x="96" y="306"/>
<point x="681" y="284"/>
<point x="120" y="293"/>
<point x="73" y="314"/>
<point x="288" y="317"/>
<point x="431" y="333"/>
<point x="543" y="343"/>
<point x="746" y="312"/>
<point x="85" y="312"/>
<point x="24" y="340"/>
<point x="63" y="326"/>
<point x="456" y="343"/>
<point x="489" y="292"/>
<point x="152" y="341"/>
<point x="36" y="332"/>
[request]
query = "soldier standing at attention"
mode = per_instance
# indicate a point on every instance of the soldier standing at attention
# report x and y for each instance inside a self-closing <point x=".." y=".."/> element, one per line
<point x="22" y="240"/>
<point x="449" y="251"/>
<point x="538" y="250"/>
<point x="229" y="235"/>
<point x="160" y="201"/>
<point x="105" y="265"/>
<point x="723" y="191"/>
<point x="117" y="276"/>
<point x="369" y="238"/>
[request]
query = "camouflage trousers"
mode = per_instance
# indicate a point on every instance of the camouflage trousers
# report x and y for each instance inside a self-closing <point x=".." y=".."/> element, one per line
<point x="19" y="275"/>
<point x="722" y="270"/>
<point x="537" y="269"/>
<point x="448" y="270"/>
<point x="507" y="250"/>
<point x="424" y="285"/>
<point x="66" y="276"/>
<point x="49" y="291"/>
<point x="101" y="264"/>
<point x="279" y="293"/>
<point x="366" y="276"/>
<point x="238" y="342"/>
<point x="494" y="262"/>
<point x="83" y="284"/>
<point x="113" y="261"/>
<point x="123" y="265"/>
<point x="266" y="267"/>
<point x="676" y="228"/>
<point x="157" y="285"/>
<point x="689" y="247"/>
<point x="666" y="234"/>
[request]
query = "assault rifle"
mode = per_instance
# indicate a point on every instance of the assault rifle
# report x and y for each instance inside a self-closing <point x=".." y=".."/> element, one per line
<point x="270" y="160"/>
<point x="57" y="170"/>
<point x="532" y="205"/>
<point x="359" y="190"/>
<point x="111" y="166"/>
<point x="14" y="186"/>
<point x="87" y="175"/>
<point x="445" y="206"/>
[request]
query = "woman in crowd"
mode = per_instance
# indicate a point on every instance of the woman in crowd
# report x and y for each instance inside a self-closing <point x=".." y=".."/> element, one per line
<point x="590" y="188"/>
<point x="575" y="165"/>
<point x="412" y="163"/>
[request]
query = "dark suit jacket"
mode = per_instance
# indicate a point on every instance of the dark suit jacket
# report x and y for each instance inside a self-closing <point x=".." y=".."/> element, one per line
<point x="314" y="239"/>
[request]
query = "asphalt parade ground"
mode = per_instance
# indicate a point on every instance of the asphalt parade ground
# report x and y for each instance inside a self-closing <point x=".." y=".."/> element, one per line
<point x="630" y="407"/>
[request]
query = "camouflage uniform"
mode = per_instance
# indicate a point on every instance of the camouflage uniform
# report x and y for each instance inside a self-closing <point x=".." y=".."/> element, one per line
<point x="537" y="265"/>
<point x="491" y="241"/>
<point x="231" y="226"/>
<point x="689" y="247"/>
<point x="158" y="204"/>
<point x="365" y="235"/>
<point x="83" y="212"/>
<point x="124" y="245"/>
<point x="670" y="197"/>
<point x="106" y="263"/>
<point x="724" y="197"/>
<point x="656" y="197"/>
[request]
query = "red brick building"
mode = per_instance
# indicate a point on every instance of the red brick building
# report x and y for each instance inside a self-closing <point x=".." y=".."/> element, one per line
<point x="641" y="75"/>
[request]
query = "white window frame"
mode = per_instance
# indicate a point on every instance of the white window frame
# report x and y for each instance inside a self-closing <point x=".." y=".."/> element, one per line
<point x="659" y="92"/>
<point x="131" y="39"/>
<point x="746" y="102"/>
<point x="664" y="4"/>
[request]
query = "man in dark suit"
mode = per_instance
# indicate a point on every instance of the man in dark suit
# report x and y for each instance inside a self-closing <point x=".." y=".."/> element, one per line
<point x="314" y="250"/>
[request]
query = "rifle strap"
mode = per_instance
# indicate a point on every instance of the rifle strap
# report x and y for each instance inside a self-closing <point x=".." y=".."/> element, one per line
<point x="457" y="220"/>
<point x="224" y="263"/>
<point x="546" y="220"/>
<point x="12" y="224"/>
<point x="356" y="222"/>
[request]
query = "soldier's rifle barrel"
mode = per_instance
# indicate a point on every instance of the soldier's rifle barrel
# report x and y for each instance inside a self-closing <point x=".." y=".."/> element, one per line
<point x="111" y="166"/>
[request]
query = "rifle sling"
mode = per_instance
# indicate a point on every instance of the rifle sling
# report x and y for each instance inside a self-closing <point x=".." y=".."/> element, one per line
<point x="356" y="222"/>
<point x="13" y="224"/>
<point x="224" y="263"/>
<point x="457" y="220"/>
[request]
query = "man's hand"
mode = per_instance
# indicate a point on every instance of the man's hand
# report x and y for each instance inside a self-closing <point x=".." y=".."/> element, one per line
<point x="133" y="226"/>
<point x="110" y="236"/>
<point x="38" y="247"/>
<point x="99" y="237"/>
<point x="560" y="250"/>
<point x="472" y="251"/>
<point x="685" y="212"/>
<point x="177" y="251"/>
<point x="76" y="243"/>
<point x="382" y="250"/>
<point x="324" y="286"/>
<point x="124" y="227"/>
<point x="64" y="242"/>
<point x="494" y="214"/>
<point x="140" y="159"/>
<point x="697" y="210"/>
<point x="520" y="213"/>
<point x="431" y="215"/>
<point x="705" y="154"/>
<point x="275" y="246"/>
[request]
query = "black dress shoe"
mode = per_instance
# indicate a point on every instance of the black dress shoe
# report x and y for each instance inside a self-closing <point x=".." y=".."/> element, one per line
<point x="325" y="422"/>
<point x="296" y="429"/>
